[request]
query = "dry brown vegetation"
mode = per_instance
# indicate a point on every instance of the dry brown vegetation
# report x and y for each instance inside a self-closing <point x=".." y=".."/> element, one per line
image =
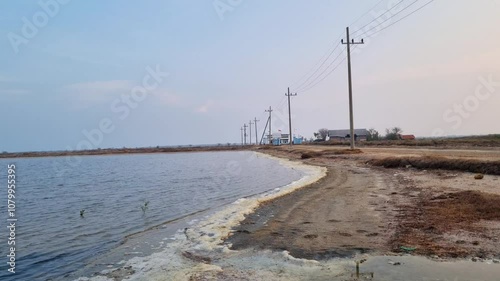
<point x="310" y="154"/>
<point x="428" y="162"/>
<point x="422" y="225"/>
<point x="314" y="154"/>
<point x="472" y="141"/>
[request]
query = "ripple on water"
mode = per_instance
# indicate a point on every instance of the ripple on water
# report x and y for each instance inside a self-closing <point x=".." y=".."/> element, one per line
<point x="111" y="190"/>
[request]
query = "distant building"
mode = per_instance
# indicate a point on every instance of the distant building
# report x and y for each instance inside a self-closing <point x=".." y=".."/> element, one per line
<point x="279" y="139"/>
<point x="298" y="140"/>
<point x="406" y="137"/>
<point x="340" y="135"/>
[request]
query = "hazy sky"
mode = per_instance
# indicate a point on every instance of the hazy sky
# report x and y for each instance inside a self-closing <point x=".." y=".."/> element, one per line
<point x="75" y="73"/>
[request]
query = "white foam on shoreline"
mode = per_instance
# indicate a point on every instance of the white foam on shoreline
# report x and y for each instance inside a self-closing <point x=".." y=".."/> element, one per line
<point x="199" y="254"/>
<point x="184" y="255"/>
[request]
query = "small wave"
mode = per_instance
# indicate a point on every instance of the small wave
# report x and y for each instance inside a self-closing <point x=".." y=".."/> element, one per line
<point x="162" y="224"/>
<point x="56" y="257"/>
<point x="207" y="236"/>
<point x="85" y="235"/>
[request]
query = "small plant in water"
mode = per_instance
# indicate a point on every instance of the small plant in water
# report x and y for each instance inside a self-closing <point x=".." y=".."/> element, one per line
<point x="145" y="206"/>
<point x="82" y="213"/>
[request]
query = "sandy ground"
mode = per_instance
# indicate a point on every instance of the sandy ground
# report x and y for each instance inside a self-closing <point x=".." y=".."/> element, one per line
<point x="358" y="208"/>
<point x="340" y="215"/>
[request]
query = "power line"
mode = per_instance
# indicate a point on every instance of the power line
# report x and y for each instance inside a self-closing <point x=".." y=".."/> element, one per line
<point x="378" y="3"/>
<point x="323" y="72"/>
<point x="390" y="18"/>
<point x="401" y="18"/>
<point x="319" y="67"/>
<point x="328" y="74"/>
<point x="314" y="79"/>
<point x="315" y="82"/>
<point x="314" y="65"/>
<point x="325" y="57"/>
<point x="282" y="104"/>
<point x="312" y="86"/>
<point x="397" y="4"/>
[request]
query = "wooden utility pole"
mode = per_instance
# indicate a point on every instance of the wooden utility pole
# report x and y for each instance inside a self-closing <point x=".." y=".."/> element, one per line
<point x="290" y="115"/>
<point x="349" y="77"/>
<point x="250" y="127"/>
<point x="256" y="132"/>
<point x="241" y="135"/>
<point x="270" y="119"/>
<point x="245" y="132"/>
<point x="264" y="131"/>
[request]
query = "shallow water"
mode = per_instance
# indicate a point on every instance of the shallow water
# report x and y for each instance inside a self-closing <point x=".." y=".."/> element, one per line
<point x="54" y="240"/>
<point x="414" y="268"/>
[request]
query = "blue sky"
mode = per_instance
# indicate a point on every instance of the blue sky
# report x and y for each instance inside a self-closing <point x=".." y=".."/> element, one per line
<point x="225" y="70"/>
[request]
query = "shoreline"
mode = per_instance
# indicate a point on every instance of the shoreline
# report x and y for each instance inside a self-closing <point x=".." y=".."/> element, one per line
<point x="204" y="239"/>
<point x="446" y="146"/>
<point x="274" y="247"/>
<point x="313" y="222"/>
<point x="123" y="151"/>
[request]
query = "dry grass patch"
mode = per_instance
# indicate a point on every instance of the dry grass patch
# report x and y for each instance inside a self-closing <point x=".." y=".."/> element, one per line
<point x="428" y="162"/>
<point x="422" y="226"/>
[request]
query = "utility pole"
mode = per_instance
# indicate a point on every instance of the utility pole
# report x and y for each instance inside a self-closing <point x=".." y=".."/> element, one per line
<point x="241" y="135"/>
<point x="270" y="132"/>
<point x="290" y="115"/>
<point x="264" y="131"/>
<point x="245" y="130"/>
<point x="250" y="127"/>
<point x="349" y="77"/>
<point x="256" y="132"/>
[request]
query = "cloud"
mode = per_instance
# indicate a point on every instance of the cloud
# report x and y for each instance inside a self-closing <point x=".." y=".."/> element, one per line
<point x="6" y="79"/>
<point x="102" y="86"/>
<point x="205" y="107"/>
<point x="98" y="91"/>
<point x="13" y="91"/>
<point x="8" y="95"/>
<point x="167" y="98"/>
<point x="473" y="64"/>
<point x="217" y="105"/>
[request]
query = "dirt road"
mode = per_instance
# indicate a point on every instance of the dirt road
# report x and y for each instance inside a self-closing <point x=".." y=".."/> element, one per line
<point x="344" y="213"/>
<point x="359" y="208"/>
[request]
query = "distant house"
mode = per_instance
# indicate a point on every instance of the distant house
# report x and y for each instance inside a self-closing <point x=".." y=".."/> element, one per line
<point x="340" y="135"/>
<point x="406" y="137"/>
<point x="279" y="139"/>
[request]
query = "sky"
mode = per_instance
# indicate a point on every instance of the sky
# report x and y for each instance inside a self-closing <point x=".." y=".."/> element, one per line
<point x="80" y="74"/>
